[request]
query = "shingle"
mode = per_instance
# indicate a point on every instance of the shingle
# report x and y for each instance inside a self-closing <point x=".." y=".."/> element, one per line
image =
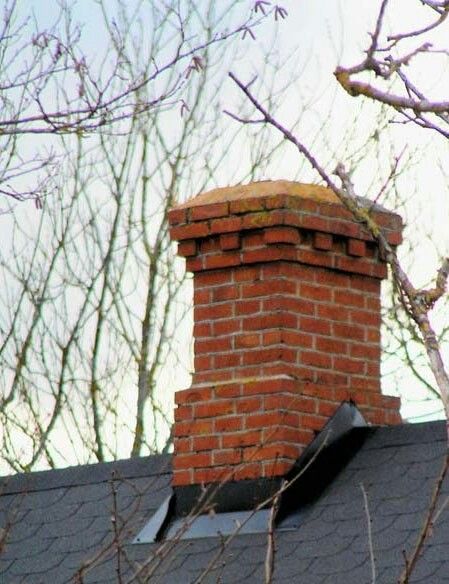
<point x="62" y="519"/>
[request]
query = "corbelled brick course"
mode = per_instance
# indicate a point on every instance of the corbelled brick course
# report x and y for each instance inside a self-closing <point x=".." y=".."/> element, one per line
<point x="287" y="326"/>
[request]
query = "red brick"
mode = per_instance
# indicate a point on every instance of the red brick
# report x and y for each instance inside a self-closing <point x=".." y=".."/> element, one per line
<point x="228" y="424"/>
<point x="347" y="228"/>
<point x="314" y="292"/>
<point x="365" y="351"/>
<point x="249" y="438"/>
<point x="264" y="386"/>
<point x="267" y="321"/>
<point x="201" y="296"/>
<point x="373" y="369"/>
<point x="327" y="409"/>
<point x="223" y="260"/>
<point x="248" y="471"/>
<point x="316" y="359"/>
<point x="276" y="468"/>
<point x="247" y="341"/>
<point x="322" y="241"/>
<point x="181" y="461"/>
<point x="212" y="312"/>
<point x="331" y="278"/>
<point x="315" y="325"/>
<point x="200" y="212"/>
<point x="223" y="360"/>
<point x="183" y="444"/>
<point x="226" y="225"/>
<point x="209" y="475"/>
<point x="229" y="241"/>
<point x="248" y="404"/>
<point x="272" y="338"/>
<point x="318" y="391"/>
<point x="349" y="365"/>
<point x="245" y="273"/>
<point x="281" y="235"/>
<point x="187" y="248"/>
<point x="373" y="335"/>
<point x="297" y="338"/>
<point x="194" y="264"/>
<point x="278" y="201"/>
<point x="289" y="303"/>
<point x="214" y="408"/>
<point x="193" y="427"/>
<point x="269" y="254"/>
<point x="356" y="247"/>
<point x="350" y="264"/>
<point x="379" y="271"/>
<point x="207" y="279"/>
<point x="212" y="376"/>
<point x="295" y="435"/>
<point x="314" y="422"/>
<point x="348" y="298"/>
<point x="226" y="327"/>
<point x="209" y="245"/>
<point x="205" y="443"/>
<point x="193" y="394"/>
<point x="394" y="238"/>
<point x="252" y="239"/>
<point x="330" y="345"/>
<point x="176" y="216"/>
<point x="263" y="219"/>
<point x="183" y="413"/>
<point x="365" y="317"/>
<point x="202" y="362"/>
<point x="221" y="457"/>
<point x="213" y="345"/>
<point x="246" y="205"/>
<point x="263" y="420"/>
<point x="314" y="223"/>
<point x="262" y="356"/>
<point x="268" y="287"/>
<point x="225" y="293"/>
<point x="190" y="231"/>
<point x="182" y="477"/>
<point x="202" y="329"/>
<point x="228" y="390"/>
<point x="333" y="312"/>
<point x="271" y="451"/>
<point x="348" y="331"/>
<point x="372" y="303"/>
<point x="247" y="307"/>
<point x="331" y="377"/>
<point x="315" y="258"/>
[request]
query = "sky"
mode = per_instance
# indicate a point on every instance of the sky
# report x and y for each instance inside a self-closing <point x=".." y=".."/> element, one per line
<point x="305" y="49"/>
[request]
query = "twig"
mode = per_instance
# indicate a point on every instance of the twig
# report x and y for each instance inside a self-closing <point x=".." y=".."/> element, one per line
<point x="370" y="534"/>
<point x="427" y="527"/>
<point x="269" y="557"/>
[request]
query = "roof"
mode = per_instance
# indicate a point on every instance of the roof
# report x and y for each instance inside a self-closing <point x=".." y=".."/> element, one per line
<point x="61" y="520"/>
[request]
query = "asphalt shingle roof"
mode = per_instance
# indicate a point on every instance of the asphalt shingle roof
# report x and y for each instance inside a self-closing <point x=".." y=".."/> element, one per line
<point x="61" y="520"/>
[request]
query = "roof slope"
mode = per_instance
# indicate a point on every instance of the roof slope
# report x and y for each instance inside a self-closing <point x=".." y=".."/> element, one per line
<point x="63" y="518"/>
<point x="57" y="521"/>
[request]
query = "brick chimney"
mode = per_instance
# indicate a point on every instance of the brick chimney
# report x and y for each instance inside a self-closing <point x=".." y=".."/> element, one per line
<point x="286" y="325"/>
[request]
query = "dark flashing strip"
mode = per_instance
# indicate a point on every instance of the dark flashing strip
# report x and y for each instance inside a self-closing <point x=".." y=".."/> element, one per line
<point x="206" y="512"/>
<point x="155" y="466"/>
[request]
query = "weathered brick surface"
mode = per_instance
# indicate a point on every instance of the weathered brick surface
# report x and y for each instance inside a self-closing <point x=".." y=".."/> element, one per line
<point x="287" y="326"/>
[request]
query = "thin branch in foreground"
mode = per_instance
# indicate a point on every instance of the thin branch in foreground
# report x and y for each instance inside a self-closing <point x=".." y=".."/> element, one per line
<point x="426" y="530"/>
<point x="370" y="534"/>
